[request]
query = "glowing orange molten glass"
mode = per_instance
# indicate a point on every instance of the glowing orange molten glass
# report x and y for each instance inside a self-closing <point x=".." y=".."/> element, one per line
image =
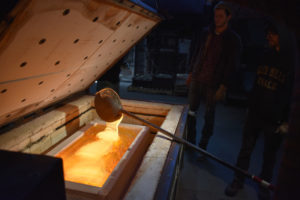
<point x="91" y="159"/>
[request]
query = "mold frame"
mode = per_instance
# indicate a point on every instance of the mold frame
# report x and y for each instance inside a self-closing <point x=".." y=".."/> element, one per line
<point x="118" y="181"/>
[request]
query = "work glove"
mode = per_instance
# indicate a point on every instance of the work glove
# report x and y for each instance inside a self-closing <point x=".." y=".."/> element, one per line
<point x="221" y="92"/>
<point x="189" y="79"/>
<point x="283" y="128"/>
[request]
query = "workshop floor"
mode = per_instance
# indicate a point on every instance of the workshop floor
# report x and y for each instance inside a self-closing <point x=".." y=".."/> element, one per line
<point x="207" y="180"/>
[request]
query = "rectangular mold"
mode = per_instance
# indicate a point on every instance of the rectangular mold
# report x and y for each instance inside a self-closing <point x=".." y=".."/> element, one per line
<point x="117" y="182"/>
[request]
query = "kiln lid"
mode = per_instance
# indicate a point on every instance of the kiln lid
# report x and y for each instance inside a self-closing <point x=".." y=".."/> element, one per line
<point x="52" y="49"/>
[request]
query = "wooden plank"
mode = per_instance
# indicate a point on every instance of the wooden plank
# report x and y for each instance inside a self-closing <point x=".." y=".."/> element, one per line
<point x="56" y="48"/>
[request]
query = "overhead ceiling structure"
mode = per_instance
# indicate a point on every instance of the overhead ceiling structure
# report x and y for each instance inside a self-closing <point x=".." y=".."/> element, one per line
<point x="55" y="48"/>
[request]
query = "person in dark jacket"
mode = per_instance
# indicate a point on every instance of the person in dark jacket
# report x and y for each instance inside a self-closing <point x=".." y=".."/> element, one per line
<point x="215" y="56"/>
<point x="267" y="113"/>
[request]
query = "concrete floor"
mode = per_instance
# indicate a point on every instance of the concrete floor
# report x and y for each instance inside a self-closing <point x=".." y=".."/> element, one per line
<point x="207" y="179"/>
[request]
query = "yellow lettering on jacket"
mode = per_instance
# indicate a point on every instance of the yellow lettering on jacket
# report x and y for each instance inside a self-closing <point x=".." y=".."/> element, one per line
<point x="262" y="70"/>
<point x="267" y="83"/>
<point x="277" y="75"/>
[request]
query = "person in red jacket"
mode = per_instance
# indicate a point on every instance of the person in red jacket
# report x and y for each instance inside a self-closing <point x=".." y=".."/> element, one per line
<point x="215" y="56"/>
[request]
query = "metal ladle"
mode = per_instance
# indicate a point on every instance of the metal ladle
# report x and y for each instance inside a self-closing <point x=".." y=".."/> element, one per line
<point x="108" y="107"/>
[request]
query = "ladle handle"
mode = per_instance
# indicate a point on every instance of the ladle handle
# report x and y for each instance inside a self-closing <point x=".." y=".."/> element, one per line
<point x="180" y="140"/>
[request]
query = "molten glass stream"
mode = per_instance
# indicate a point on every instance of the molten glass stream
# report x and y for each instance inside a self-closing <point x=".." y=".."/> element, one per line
<point x="91" y="159"/>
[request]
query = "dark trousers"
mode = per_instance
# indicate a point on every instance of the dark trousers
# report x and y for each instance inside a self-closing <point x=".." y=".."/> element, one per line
<point x="198" y="91"/>
<point x="255" y="125"/>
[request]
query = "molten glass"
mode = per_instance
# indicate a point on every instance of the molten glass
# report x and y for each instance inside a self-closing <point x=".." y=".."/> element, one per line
<point x="91" y="159"/>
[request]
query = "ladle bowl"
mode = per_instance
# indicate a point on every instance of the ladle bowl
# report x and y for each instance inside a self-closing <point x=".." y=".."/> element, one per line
<point x="108" y="105"/>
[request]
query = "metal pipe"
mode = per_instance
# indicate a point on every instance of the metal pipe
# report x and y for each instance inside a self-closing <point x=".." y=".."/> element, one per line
<point x="182" y="141"/>
<point x="108" y="107"/>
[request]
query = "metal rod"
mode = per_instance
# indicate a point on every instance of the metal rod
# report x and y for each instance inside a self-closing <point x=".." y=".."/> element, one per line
<point x="180" y="140"/>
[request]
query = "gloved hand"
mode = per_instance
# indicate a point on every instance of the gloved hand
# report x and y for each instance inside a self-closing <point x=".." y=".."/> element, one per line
<point x="221" y="92"/>
<point x="283" y="128"/>
<point x="189" y="79"/>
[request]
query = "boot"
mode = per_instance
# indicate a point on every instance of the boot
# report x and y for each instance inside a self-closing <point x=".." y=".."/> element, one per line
<point x="233" y="188"/>
<point x="263" y="193"/>
<point x="203" y="145"/>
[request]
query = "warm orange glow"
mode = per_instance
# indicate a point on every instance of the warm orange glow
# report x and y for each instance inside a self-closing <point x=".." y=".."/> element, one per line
<point x="91" y="159"/>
